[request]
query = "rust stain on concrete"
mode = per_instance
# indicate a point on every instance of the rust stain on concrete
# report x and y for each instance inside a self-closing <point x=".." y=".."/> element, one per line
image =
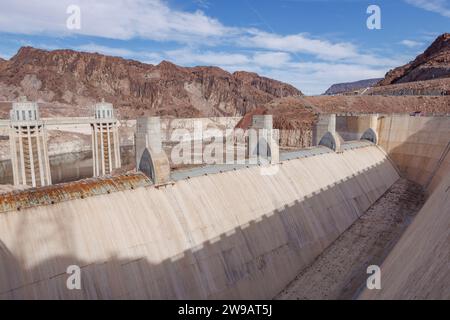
<point x="18" y="200"/>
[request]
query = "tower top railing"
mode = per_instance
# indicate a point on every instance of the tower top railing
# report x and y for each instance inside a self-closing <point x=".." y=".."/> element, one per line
<point x="24" y="111"/>
<point x="104" y="110"/>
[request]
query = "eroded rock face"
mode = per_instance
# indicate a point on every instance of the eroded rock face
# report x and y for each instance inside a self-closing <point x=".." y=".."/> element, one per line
<point x="66" y="76"/>
<point x="434" y="63"/>
<point x="436" y="87"/>
<point x="339" y="88"/>
<point x="2" y="63"/>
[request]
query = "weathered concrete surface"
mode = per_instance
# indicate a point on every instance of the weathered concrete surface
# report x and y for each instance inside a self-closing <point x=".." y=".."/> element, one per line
<point x="341" y="270"/>
<point x="353" y="127"/>
<point x="325" y="123"/>
<point x="238" y="234"/>
<point x="415" y="144"/>
<point x="418" y="266"/>
<point x="150" y="156"/>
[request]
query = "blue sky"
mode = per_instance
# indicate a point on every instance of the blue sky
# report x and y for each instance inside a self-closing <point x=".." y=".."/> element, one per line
<point x="309" y="44"/>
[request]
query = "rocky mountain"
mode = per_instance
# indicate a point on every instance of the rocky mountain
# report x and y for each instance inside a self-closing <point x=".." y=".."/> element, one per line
<point x="351" y="86"/>
<point x="436" y="87"/>
<point x="434" y="63"/>
<point x="381" y="104"/>
<point x="76" y="78"/>
<point x="296" y="112"/>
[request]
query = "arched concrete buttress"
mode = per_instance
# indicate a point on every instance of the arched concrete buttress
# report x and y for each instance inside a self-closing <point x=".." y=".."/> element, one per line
<point x="331" y="140"/>
<point x="370" y="135"/>
<point x="150" y="156"/>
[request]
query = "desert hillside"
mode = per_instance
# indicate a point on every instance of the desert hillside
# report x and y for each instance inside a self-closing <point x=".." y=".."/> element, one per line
<point x="427" y="74"/>
<point x="293" y="112"/>
<point x="66" y="77"/>
<point x="420" y="86"/>
<point x="434" y="63"/>
<point x="435" y="87"/>
<point x="345" y="87"/>
<point x="67" y="82"/>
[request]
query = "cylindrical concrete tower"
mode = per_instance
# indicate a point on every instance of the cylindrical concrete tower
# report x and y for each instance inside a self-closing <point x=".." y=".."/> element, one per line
<point x="28" y="141"/>
<point x="105" y="140"/>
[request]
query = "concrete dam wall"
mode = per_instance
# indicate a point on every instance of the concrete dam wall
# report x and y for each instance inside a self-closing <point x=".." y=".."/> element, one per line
<point x="417" y="267"/>
<point x="417" y="145"/>
<point x="232" y="235"/>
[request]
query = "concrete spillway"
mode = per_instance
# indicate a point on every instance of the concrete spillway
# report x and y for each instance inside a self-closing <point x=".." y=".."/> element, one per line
<point x="418" y="266"/>
<point x="233" y="235"/>
<point x="237" y="234"/>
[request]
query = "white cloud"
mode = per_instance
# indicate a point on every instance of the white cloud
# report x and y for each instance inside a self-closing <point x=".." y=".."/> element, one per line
<point x="205" y="4"/>
<point x="155" y="20"/>
<point x="143" y="56"/>
<point x="319" y="48"/>
<point x="315" y="78"/>
<point x="188" y="56"/>
<point x="230" y="61"/>
<point x="271" y="59"/>
<point x="200" y="39"/>
<point x="124" y="19"/>
<point x="299" y="43"/>
<point x="95" y="48"/>
<point x="151" y="58"/>
<point x="441" y="7"/>
<point x="310" y="77"/>
<point x="411" y="43"/>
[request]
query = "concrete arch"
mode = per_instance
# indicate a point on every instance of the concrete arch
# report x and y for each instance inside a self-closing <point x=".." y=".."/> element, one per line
<point x="155" y="166"/>
<point x="146" y="165"/>
<point x="331" y="141"/>
<point x="262" y="149"/>
<point x="370" y="135"/>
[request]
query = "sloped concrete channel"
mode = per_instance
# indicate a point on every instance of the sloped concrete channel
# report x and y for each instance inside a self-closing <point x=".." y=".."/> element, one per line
<point x="341" y="270"/>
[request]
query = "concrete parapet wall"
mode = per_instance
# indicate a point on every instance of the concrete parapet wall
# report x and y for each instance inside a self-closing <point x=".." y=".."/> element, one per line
<point x="197" y="238"/>
<point x="150" y="156"/>
<point x="320" y="128"/>
<point x="415" y="144"/>
<point x="443" y="168"/>
<point x="353" y="127"/>
<point x="168" y="125"/>
<point x="188" y="124"/>
<point x="417" y="267"/>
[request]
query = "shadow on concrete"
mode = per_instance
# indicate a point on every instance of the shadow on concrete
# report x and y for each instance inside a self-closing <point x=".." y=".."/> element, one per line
<point x="420" y="156"/>
<point x="417" y="266"/>
<point x="254" y="261"/>
<point x="146" y="165"/>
